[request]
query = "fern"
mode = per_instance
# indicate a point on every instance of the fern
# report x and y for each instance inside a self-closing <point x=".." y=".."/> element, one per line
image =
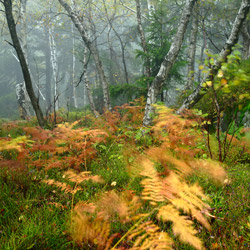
<point x="63" y="186"/>
<point x="149" y="236"/>
<point x="81" y="177"/>
<point x="15" y="144"/>
<point x="90" y="231"/>
<point x="181" y="225"/>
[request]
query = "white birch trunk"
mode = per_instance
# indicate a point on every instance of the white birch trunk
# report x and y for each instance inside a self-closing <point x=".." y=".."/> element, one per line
<point x="192" y="51"/>
<point x="151" y="8"/>
<point x="53" y="58"/>
<point x="168" y="62"/>
<point x="92" y="48"/>
<point x="200" y="91"/>
<point x="142" y="36"/>
<point x="110" y="21"/>
<point x="73" y="66"/>
<point x="87" y="85"/>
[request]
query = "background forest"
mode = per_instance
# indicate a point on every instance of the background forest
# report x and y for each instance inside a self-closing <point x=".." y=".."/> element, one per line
<point x="124" y="124"/>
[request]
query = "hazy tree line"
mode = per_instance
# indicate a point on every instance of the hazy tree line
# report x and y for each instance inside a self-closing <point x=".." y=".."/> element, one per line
<point x="70" y="53"/>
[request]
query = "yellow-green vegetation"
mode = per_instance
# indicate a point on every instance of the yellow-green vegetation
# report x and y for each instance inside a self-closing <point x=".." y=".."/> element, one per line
<point x="108" y="183"/>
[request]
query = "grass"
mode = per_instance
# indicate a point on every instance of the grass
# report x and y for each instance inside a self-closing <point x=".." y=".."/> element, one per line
<point x="34" y="215"/>
<point x="231" y="208"/>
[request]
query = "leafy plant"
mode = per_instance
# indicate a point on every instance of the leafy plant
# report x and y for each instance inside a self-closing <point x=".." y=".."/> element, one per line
<point x="228" y="100"/>
<point x="167" y="195"/>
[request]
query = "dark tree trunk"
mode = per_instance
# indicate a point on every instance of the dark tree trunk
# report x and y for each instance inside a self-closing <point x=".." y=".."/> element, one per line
<point x="23" y="63"/>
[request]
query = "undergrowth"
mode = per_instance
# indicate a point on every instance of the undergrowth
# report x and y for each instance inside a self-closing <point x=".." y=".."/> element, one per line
<point x="108" y="183"/>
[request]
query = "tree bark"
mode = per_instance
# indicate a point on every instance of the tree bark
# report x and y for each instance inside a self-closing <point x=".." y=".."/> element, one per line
<point x="168" y="62"/>
<point x="87" y="85"/>
<point x="22" y="96"/>
<point x="53" y="58"/>
<point x="73" y="67"/>
<point x="26" y="74"/>
<point x="200" y="91"/>
<point x="48" y="71"/>
<point x="192" y="51"/>
<point x="120" y="40"/>
<point x="142" y="36"/>
<point x="246" y="41"/>
<point x="76" y="20"/>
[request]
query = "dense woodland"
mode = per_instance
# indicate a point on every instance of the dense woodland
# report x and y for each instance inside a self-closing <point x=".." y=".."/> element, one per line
<point x="125" y="124"/>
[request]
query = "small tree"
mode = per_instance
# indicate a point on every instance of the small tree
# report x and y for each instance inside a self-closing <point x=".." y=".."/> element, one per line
<point x="26" y="74"/>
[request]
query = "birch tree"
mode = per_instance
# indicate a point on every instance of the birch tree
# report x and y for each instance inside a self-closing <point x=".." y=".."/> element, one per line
<point x="53" y="57"/>
<point x="142" y="35"/>
<point x="92" y="48"/>
<point x="246" y="39"/>
<point x="200" y="91"/>
<point x="73" y="61"/>
<point x="192" y="51"/>
<point x="122" y="44"/>
<point x="87" y="84"/>
<point x="156" y="86"/>
<point x="21" y="57"/>
<point x="73" y="66"/>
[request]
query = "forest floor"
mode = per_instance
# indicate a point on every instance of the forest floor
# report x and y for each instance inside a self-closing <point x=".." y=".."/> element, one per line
<point x="92" y="184"/>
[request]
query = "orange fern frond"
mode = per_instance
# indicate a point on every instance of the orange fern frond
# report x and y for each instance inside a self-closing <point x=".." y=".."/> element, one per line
<point x="82" y="176"/>
<point x="90" y="231"/>
<point x="149" y="236"/>
<point x="152" y="183"/>
<point x="181" y="225"/>
<point x="212" y="169"/>
<point x="63" y="186"/>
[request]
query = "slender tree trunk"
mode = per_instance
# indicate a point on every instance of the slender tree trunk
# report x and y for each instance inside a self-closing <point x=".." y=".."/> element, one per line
<point x="168" y="62"/>
<point x="192" y="51"/>
<point x="87" y="85"/>
<point x="53" y="58"/>
<point x="77" y="21"/>
<point x="111" y="58"/>
<point x="23" y="98"/>
<point x="246" y="41"/>
<point x="142" y="36"/>
<point x="200" y="91"/>
<point x="73" y="67"/>
<point x="120" y="40"/>
<point x="23" y="63"/>
<point x="48" y="73"/>
<point x="151" y="8"/>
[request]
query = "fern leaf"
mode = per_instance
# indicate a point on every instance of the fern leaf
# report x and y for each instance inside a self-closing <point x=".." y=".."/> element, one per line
<point x="82" y="176"/>
<point x="152" y="184"/>
<point x="181" y="226"/>
<point x="90" y="231"/>
<point x="149" y="236"/>
<point x="63" y="186"/>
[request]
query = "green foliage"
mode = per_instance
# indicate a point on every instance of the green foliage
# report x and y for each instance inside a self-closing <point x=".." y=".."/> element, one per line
<point x="232" y="88"/>
<point x="124" y="93"/>
<point x="131" y="178"/>
<point x="158" y="45"/>
<point x="231" y="224"/>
